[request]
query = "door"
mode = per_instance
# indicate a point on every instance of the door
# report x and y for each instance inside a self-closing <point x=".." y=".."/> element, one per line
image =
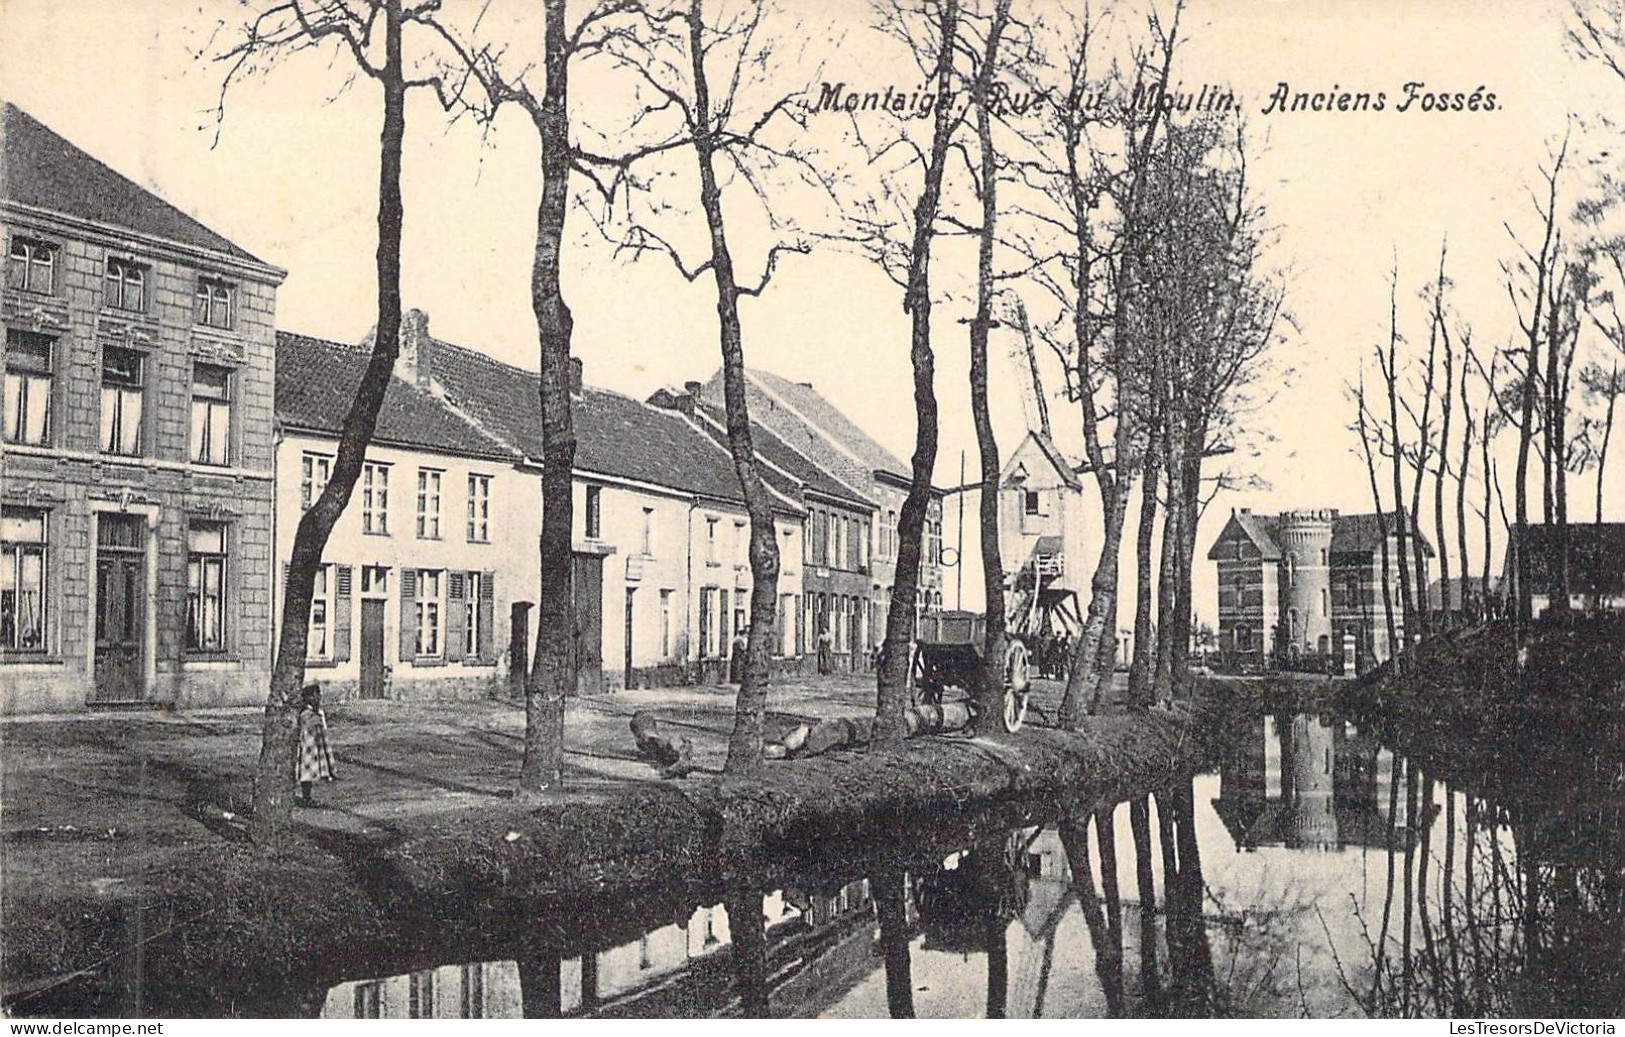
<point x="372" y="648"/>
<point x="121" y="609"/>
<point x="587" y="579"/>
<point x="627" y="682"/>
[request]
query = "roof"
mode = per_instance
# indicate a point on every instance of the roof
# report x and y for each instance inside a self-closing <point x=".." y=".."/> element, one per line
<point x="1351" y="534"/>
<point x="1596" y="557"/>
<point x="616" y="435"/>
<point x="316" y="380"/>
<point x="43" y="169"/>
<point x="779" y="454"/>
<point x="1361" y="534"/>
<point x="1068" y="473"/>
<point x="813" y="409"/>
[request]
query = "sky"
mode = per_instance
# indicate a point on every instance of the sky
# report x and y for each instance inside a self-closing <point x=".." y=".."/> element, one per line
<point x="293" y="178"/>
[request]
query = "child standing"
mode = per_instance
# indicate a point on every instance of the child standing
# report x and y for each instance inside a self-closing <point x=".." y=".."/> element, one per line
<point x="315" y="757"/>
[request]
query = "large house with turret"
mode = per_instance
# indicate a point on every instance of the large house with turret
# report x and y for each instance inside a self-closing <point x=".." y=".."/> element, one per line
<point x="1310" y="583"/>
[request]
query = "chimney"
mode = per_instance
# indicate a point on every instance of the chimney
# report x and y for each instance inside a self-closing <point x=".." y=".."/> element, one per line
<point x="575" y="376"/>
<point x="416" y="362"/>
<point x="688" y="400"/>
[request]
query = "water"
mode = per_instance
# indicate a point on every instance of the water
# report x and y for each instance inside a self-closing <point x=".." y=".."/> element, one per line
<point x="1315" y="871"/>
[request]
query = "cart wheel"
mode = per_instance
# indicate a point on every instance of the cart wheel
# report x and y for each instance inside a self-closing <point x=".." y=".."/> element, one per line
<point x="1017" y="681"/>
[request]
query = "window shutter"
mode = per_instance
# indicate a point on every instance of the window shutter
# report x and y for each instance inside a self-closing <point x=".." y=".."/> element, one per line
<point x="341" y="610"/>
<point x="456" y="617"/>
<point x="487" y="607"/>
<point x="409" y="614"/>
<point x="801" y="628"/>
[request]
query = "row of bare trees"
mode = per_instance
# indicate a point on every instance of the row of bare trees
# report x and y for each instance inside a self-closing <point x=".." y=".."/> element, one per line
<point x="1139" y="231"/>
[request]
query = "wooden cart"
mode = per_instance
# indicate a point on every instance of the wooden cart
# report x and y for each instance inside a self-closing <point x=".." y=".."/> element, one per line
<point x="948" y="654"/>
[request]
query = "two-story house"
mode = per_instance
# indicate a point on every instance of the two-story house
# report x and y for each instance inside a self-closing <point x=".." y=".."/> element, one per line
<point x="835" y="560"/>
<point x="439" y="539"/>
<point x="662" y="579"/>
<point x="136" y="474"/>
<point x="817" y="429"/>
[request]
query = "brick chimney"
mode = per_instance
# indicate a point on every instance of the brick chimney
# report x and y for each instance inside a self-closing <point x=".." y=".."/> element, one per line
<point x="575" y="376"/>
<point x="416" y="362"/>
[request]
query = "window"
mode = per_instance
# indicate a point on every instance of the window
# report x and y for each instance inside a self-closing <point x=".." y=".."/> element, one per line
<point x="211" y="414"/>
<point x="126" y="285"/>
<point x="31" y="266"/>
<point x="375" y="580"/>
<point x="832" y="540"/>
<point x="648" y="531"/>
<point x="428" y="612"/>
<point x="28" y="388"/>
<point x="711" y="541"/>
<point x="708" y="605"/>
<point x="741" y="543"/>
<point x="368" y="999"/>
<point x="320" y="646"/>
<point x="206" y="587"/>
<point x="214" y="303"/>
<point x="1029" y="504"/>
<point x="314" y="470"/>
<point x="1325" y="602"/>
<point x="429" y="503"/>
<point x="479" y="508"/>
<point x="121" y="401"/>
<point x="23" y="599"/>
<point x="665" y="624"/>
<point x="863" y="547"/>
<point x="595" y="512"/>
<point x="374" y="502"/>
<point x="471" y="615"/>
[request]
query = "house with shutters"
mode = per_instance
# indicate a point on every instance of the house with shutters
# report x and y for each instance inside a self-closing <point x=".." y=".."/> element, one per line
<point x="136" y="476"/>
<point x="661" y="565"/>
<point x="815" y="428"/>
<point x="439" y="538"/>
<point x="835" y="591"/>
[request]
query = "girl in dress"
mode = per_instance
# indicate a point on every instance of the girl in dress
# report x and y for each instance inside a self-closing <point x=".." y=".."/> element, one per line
<point x="315" y="757"/>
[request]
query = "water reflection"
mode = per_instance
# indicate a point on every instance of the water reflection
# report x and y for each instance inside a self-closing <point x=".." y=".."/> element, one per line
<point x="1316" y="873"/>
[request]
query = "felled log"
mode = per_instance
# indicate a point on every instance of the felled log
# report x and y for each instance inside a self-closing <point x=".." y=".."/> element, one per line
<point x="841" y="731"/>
<point x="674" y="756"/>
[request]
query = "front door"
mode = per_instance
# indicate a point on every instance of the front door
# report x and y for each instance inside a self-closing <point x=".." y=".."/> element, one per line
<point x="587" y="576"/>
<point x="121" y="609"/>
<point x="372" y="648"/>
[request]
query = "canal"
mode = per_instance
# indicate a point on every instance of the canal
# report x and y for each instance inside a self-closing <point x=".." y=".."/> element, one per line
<point x="1316" y="871"/>
<point x="1321" y="866"/>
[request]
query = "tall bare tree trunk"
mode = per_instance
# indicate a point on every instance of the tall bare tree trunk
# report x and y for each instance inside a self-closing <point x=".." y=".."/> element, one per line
<point x="1168" y="579"/>
<point x="274" y="778"/>
<point x="745" y="743"/>
<point x="990" y="689"/>
<point x="1144" y="653"/>
<point x="891" y="693"/>
<point x="1607" y="434"/>
<point x="1463" y="469"/>
<point x="1446" y="403"/>
<point x="553" y="671"/>
<point x="1382" y="530"/>
<point x="1402" y="521"/>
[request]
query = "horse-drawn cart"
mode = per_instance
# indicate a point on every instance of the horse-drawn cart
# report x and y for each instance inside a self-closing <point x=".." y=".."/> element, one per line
<point x="948" y="654"/>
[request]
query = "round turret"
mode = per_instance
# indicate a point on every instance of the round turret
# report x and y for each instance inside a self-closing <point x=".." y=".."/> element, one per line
<point x="1306" y="580"/>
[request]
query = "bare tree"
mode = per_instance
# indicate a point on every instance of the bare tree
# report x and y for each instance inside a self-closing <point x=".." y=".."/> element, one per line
<point x="1382" y="519"/>
<point x="1528" y="286"/>
<point x="896" y="226"/>
<point x="367" y="33"/>
<point x="696" y="62"/>
<point x="1388" y="364"/>
<point x="990" y="684"/>
<point x="553" y="671"/>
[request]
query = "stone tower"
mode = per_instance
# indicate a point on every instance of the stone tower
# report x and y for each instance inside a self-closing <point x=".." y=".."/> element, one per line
<point x="1306" y="584"/>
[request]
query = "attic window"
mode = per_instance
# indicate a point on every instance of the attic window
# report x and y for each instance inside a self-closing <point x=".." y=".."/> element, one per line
<point x="214" y="300"/>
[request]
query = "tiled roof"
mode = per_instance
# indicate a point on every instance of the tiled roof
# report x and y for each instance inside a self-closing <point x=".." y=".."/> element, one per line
<point x="44" y="170"/>
<point x="1596" y="557"/>
<point x="1263" y="530"/>
<point x="786" y="458"/>
<point x="823" y="415"/>
<point x="1056" y="458"/>
<point x="615" y="435"/>
<point x="316" y="379"/>
<point x="1362" y="533"/>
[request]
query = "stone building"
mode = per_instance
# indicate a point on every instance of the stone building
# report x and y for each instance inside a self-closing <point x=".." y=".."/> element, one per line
<point x="136" y="465"/>
<point x="816" y="428"/>
<point x="1308" y="583"/>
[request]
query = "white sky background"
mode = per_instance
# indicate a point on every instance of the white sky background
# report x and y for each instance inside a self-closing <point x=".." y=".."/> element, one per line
<point x="293" y="179"/>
